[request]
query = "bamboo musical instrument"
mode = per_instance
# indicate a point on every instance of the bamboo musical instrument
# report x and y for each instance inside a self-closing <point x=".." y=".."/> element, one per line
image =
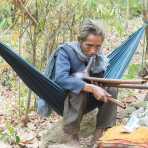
<point x="131" y="84"/>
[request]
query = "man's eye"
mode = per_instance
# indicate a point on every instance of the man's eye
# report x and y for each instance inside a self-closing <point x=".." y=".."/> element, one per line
<point x="96" y="46"/>
<point x="90" y="45"/>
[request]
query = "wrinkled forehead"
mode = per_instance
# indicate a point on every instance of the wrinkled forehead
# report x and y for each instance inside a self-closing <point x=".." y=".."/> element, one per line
<point x="94" y="39"/>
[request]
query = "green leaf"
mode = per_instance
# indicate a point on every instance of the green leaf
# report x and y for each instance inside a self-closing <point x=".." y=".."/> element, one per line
<point x="17" y="138"/>
<point x="11" y="130"/>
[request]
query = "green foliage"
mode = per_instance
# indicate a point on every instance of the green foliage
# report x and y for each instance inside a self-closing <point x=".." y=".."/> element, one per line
<point x="57" y="21"/>
<point x="7" y="79"/>
<point x="135" y="7"/>
<point x="132" y="71"/>
<point x="5" y="15"/>
<point x="9" y="135"/>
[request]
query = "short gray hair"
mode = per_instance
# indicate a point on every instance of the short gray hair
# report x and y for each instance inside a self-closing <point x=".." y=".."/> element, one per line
<point x="90" y="27"/>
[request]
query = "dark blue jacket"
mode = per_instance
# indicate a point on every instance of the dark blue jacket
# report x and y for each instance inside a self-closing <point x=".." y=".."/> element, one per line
<point x="66" y="63"/>
<point x="62" y="64"/>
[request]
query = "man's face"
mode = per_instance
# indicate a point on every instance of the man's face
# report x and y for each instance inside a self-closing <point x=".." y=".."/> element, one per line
<point x="92" y="45"/>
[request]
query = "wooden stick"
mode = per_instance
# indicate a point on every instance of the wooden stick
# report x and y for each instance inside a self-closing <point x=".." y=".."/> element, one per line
<point x="88" y="67"/>
<point x="28" y="13"/>
<point x="114" y="81"/>
<point x="118" y="103"/>
<point x="129" y="86"/>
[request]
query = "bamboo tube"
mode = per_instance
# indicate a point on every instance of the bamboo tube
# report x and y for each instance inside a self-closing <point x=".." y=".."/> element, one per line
<point x="132" y="84"/>
<point x="114" y="81"/>
<point x="87" y="69"/>
<point x="129" y="86"/>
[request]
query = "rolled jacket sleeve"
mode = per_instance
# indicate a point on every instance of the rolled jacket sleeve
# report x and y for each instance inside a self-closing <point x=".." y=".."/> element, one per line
<point x="63" y="76"/>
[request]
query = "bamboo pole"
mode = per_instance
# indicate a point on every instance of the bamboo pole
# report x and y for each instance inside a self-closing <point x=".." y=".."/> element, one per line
<point x="113" y="81"/>
<point x="129" y="86"/>
<point x="145" y="19"/>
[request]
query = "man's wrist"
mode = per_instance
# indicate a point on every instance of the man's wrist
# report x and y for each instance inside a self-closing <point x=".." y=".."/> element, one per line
<point x="88" y="88"/>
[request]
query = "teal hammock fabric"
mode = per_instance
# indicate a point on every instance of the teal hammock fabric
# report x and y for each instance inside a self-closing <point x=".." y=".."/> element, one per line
<point x="49" y="90"/>
<point x="120" y="58"/>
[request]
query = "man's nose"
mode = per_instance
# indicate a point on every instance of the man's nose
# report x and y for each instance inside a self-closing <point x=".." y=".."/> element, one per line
<point x="93" y="51"/>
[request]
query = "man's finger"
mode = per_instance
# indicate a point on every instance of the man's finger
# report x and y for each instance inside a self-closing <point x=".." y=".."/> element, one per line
<point x="105" y="99"/>
<point x="107" y="94"/>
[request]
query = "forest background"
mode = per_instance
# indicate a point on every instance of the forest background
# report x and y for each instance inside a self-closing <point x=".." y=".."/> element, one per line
<point x="34" y="28"/>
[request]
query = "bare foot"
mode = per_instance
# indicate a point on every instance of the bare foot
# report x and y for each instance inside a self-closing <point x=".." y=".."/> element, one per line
<point x="97" y="136"/>
<point x="99" y="133"/>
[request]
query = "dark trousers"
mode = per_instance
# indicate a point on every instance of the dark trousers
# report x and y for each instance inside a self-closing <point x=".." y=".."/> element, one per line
<point x="75" y="106"/>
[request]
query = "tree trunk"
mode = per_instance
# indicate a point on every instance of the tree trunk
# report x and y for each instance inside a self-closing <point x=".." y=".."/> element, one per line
<point x="145" y="18"/>
<point x="127" y="14"/>
<point x="144" y="70"/>
<point x="34" y="45"/>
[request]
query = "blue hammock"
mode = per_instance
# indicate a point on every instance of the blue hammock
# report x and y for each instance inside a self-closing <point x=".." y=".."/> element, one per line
<point x="120" y="58"/>
<point x="53" y="93"/>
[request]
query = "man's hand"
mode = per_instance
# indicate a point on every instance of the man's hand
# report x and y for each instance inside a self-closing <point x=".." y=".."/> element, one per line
<point x="99" y="93"/>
